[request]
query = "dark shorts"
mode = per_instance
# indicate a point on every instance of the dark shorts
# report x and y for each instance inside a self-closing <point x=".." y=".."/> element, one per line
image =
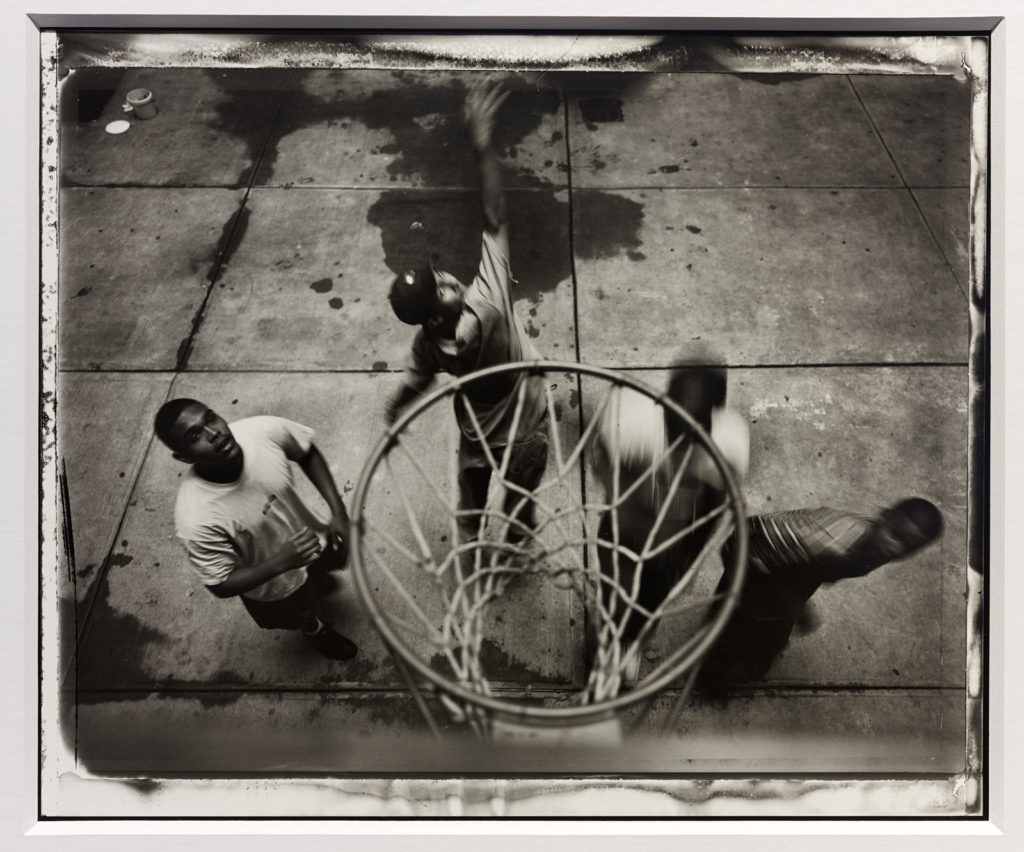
<point x="288" y="613"/>
<point x="292" y="612"/>
<point x="526" y="466"/>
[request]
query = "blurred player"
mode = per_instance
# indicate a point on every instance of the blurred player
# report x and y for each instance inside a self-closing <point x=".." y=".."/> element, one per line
<point x="634" y="435"/>
<point x="245" y="528"/>
<point x="790" y="554"/>
<point x="463" y="329"/>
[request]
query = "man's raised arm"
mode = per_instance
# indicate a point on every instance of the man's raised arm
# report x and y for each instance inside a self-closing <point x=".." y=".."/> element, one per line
<point x="480" y="110"/>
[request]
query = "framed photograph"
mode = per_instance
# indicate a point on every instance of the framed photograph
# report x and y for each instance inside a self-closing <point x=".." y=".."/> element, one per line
<point x="483" y="421"/>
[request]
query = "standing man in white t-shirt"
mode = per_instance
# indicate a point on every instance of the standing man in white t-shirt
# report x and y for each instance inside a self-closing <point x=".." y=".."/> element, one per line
<point x="245" y="528"/>
<point x="463" y="329"/>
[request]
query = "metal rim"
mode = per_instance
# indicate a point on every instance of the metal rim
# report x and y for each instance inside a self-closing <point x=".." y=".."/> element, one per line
<point x="580" y="712"/>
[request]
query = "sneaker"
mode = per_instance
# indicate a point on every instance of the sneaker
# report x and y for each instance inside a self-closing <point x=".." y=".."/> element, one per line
<point x="331" y="644"/>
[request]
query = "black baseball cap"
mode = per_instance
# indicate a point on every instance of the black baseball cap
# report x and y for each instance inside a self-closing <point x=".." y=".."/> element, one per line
<point x="413" y="293"/>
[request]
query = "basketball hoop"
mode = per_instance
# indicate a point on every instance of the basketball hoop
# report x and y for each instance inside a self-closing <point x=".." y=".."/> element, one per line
<point x="443" y="603"/>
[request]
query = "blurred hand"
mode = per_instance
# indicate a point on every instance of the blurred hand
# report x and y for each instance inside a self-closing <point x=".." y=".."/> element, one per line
<point x="731" y="432"/>
<point x="301" y="549"/>
<point x="483" y="100"/>
<point x="337" y="538"/>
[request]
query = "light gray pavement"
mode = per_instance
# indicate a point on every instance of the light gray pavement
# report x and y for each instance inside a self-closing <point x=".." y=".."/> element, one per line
<point x="809" y="231"/>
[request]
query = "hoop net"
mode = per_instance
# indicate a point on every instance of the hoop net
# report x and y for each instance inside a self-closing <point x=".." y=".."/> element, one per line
<point x="518" y="626"/>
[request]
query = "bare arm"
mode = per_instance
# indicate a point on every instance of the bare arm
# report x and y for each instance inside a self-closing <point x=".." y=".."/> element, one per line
<point x="301" y="549"/>
<point x="419" y="373"/>
<point x="405" y="394"/>
<point x="480" y="111"/>
<point x="314" y="465"/>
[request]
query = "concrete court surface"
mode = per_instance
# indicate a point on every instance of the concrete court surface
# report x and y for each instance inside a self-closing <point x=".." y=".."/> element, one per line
<point x="810" y="231"/>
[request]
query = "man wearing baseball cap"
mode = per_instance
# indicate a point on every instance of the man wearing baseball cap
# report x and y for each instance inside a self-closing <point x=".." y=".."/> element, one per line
<point x="463" y="329"/>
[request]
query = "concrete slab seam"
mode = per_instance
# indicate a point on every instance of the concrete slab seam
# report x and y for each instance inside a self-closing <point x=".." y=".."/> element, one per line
<point x="223" y="250"/>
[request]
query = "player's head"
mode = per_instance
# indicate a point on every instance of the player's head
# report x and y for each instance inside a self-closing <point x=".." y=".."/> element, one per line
<point x="195" y="434"/>
<point x="635" y="426"/>
<point x="698" y="390"/>
<point x="426" y="295"/>
<point x="906" y="527"/>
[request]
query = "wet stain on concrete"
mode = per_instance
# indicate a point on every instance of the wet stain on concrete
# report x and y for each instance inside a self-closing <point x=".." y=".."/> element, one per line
<point x="497" y="665"/>
<point x="360" y="670"/>
<point x="232" y="234"/>
<point x="668" y="170"/>
<point x="182" y="354"/>
<point x="324" y="285"/>
<point x="500" y="666"/>
<point x="111" y="655"/>
<point x="336" y="303"/>
<point x="601" y="110"/>
<point x="452" y="225"/>
<point x="636" y="255"/>
<point x="86" y="95"/>
<point x="250" y="97"/>
<point x="424" y="119"/>
<point x="606" y="225"/>
<point x="231" y="237"/>
<point x="216" y="698"/>
<point x="429" y="142"/>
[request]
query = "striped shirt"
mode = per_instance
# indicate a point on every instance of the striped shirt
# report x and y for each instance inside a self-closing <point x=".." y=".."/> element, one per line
<point x="791" y="553"/>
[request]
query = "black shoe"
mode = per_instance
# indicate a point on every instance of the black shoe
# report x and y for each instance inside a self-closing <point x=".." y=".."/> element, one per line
<point x="331" y="644"/>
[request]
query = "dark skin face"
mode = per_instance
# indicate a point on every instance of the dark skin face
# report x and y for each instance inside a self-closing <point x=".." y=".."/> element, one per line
<point x="201" y="437"/>
<point x="450" y="296"/>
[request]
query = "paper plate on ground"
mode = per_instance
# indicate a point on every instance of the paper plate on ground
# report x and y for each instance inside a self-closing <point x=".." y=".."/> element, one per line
<point x="119" y="126"/>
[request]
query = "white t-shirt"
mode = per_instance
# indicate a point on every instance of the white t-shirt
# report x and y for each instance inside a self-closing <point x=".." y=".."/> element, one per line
<point x="238" y="524"/>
